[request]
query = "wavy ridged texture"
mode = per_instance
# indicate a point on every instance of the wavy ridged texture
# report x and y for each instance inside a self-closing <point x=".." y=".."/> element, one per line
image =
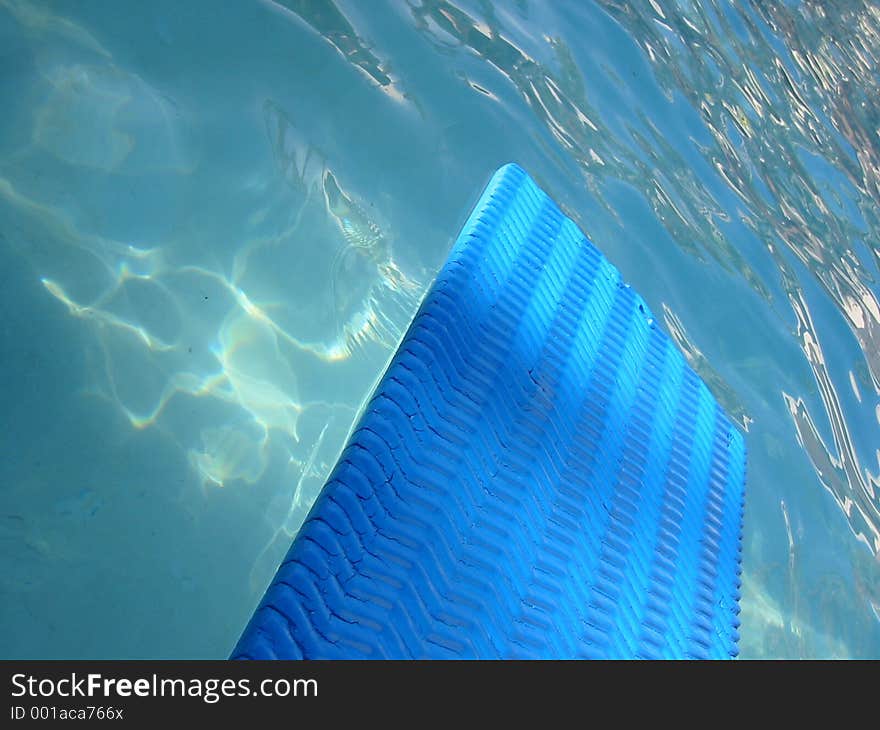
<point x="539" y="474"/>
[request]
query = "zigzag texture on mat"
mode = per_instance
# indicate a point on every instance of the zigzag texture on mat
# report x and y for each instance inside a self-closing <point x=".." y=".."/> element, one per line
<point x="538" y="474"/>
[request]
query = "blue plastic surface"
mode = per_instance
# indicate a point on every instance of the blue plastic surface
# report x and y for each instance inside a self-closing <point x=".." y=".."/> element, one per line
<point x="539" y="474"/>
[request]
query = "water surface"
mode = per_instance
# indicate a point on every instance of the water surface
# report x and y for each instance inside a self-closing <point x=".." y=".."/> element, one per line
<point x="217" y="219"/>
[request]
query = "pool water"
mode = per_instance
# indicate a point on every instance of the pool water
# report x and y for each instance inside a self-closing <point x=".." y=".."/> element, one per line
<point x="217" y="219"/>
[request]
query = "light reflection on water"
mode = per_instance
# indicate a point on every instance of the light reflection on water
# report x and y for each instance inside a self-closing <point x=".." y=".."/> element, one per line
<point x="216" y="224"/>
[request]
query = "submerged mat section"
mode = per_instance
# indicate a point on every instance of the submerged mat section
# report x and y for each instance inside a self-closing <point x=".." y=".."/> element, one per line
<point x="539" y="474"/>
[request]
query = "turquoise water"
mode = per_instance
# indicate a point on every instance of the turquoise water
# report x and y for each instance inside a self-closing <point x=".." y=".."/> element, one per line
<point x="216" y="220"/>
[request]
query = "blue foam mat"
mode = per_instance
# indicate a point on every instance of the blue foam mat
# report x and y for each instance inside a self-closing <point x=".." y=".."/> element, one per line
<point x="539" y="474"/>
